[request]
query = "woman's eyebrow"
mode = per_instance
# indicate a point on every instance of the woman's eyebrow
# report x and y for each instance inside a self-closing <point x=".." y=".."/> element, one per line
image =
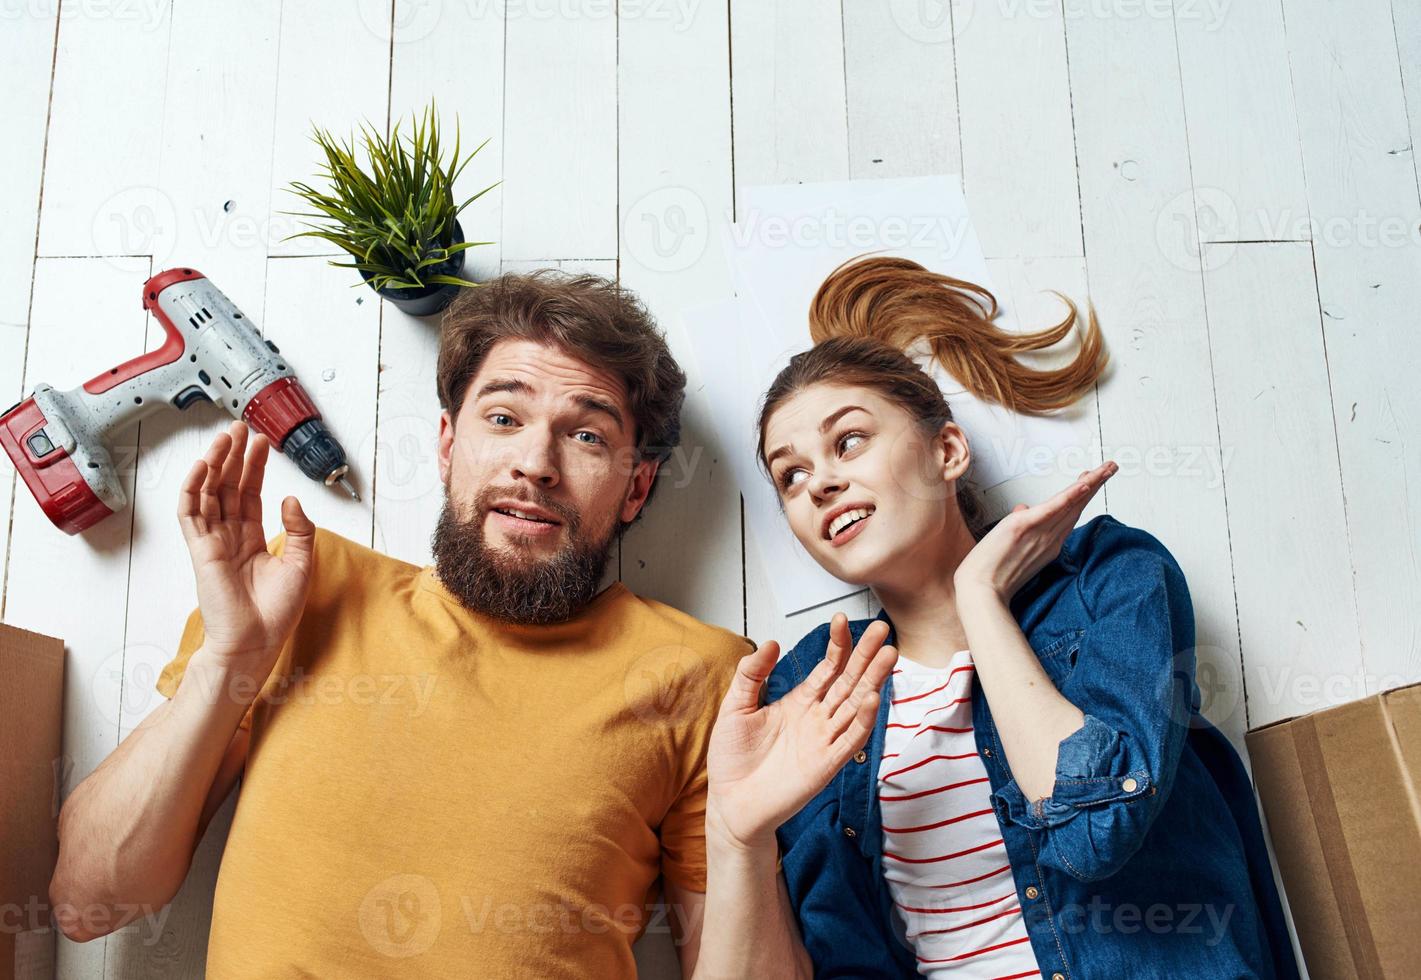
<point x="824" y="427"/>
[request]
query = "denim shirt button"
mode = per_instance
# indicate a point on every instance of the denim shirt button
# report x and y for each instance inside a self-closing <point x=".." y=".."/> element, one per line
<point x="1058" y="976"/>
<point x="850" y="832"/>
<point x="860" y="756"/>
<point x="987" y="753"/>
<point x="1128" y="784"/>
<point x="1032" y="891"/>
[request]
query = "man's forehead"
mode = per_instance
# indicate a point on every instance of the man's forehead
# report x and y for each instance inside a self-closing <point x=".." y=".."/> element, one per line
<point x="546" y="367"/>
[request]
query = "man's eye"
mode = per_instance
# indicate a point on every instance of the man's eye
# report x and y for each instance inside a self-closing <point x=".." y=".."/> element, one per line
<point x="499" y="415"/>
<point x="596" y="439"/>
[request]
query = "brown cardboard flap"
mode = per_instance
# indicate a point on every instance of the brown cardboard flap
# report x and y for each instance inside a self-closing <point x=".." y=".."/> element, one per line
<point x="1339" y="788"/>
<point x="31" y="716"/>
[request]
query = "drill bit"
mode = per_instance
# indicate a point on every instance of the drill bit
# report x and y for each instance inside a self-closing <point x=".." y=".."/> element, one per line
<point x="348" y="488"/>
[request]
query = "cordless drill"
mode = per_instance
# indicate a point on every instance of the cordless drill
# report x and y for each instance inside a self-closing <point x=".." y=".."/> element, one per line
<point x="212" y="353"/>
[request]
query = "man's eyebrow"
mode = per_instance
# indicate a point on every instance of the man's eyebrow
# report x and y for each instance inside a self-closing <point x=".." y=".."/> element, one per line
<point x="512" y="385"/>
<point x="598" y="405"/>
<point x="518" y="387"/>
<point x="824" y="427"/>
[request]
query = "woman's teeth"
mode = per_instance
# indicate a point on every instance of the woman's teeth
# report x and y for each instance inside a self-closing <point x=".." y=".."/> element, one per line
<point x="845" y="519"/>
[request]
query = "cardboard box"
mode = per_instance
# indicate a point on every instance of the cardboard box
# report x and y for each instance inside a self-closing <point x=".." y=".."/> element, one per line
<point x="31" y="724"/>
<point x="1340" y="790"/>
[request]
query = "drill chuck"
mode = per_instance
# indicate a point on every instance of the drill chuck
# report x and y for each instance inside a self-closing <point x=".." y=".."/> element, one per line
<point x="311" y="447"/>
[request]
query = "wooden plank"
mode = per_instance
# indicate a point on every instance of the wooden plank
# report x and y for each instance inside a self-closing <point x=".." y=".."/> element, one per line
<point x="75" y="587"/>
<point x="1292" y="570"/>
<point x="26" y="60"/>
<point x="334" y="73"/>
<point x="674" y="192"/>
<point x="329" y="333"/>
<point x="1243" y="133"/>
<point x="787" y="85"/>
<point x="104" y="138"/>
<point x="897" y="129"/>
<point x="456" y="56"/>
<point x="560" y="143"/>
<point x="790" y="124"/>
<point x="1156" y="407"/>
<point x="1361" y="180"/>
<point x="1406" y="18"/>
<point x="1018" y="158"/>
<point x="1023" y="288"/>
<point x="216" y="168"/>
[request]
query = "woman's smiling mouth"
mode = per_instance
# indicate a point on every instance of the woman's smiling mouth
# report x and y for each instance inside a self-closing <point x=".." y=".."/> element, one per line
<point x="848" y="525"/>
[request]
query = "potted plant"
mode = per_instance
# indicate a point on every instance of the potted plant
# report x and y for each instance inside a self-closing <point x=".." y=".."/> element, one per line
<point x="397" y="219"/>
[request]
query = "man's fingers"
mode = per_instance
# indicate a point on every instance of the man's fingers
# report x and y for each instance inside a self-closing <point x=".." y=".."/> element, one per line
<point x="250" y="489"/>
<point x="209" y="505"/>
<point x="750" y="674"/>
<point x="229" y="494"/>
<point x="190" y="498"/>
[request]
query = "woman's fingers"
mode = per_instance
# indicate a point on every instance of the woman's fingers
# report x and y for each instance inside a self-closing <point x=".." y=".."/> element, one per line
<point x="868" y="686"/>
<point x="750" y="674"/>
<point x="868" y="646"/>
<point x="811" y="690"/>
<point x="860" y="726"/>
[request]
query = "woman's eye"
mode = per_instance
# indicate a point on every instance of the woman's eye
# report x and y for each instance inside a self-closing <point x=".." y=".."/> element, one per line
<point x="787" y="478"/>
<point x="848" y="436"/>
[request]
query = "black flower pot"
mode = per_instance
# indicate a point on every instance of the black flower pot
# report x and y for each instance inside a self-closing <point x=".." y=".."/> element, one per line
<point x="431" y="299"/>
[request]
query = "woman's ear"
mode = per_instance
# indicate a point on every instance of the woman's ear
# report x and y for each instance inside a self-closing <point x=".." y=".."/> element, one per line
<point x="956" y="452"/>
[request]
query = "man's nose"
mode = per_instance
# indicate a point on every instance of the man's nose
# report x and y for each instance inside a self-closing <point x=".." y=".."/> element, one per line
<point x="533" y="458"/>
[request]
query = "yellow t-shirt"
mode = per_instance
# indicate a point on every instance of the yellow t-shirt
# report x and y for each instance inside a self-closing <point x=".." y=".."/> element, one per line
<point x="433" y="792"/>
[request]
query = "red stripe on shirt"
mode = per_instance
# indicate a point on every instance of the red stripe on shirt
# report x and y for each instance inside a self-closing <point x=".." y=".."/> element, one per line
<point x="961" y="908"/>
<point x="917" y="697"/>
<point x="966" y="925"/>
<point x="930" y="792"/>
<point x="940" y="823"/>
<point x="969" y="881"/>
<point x="978" y="952"/>
<point x="931" y="758"/>
<point x="943" y="857"/>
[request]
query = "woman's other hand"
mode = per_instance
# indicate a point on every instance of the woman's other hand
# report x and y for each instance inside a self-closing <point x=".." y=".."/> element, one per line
<point x="1026" y="540"/>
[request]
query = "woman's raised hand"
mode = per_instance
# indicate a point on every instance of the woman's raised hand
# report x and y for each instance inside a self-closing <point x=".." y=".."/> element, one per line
<point x="767" y="761"/>
<point x="250" y="599"/>
<point x="1026" y="540"/>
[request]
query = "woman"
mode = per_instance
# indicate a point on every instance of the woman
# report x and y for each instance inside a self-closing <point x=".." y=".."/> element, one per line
<point x="1038" y="794"/>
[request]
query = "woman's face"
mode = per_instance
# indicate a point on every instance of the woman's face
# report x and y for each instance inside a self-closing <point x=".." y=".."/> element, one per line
<point x="837" y="453"/>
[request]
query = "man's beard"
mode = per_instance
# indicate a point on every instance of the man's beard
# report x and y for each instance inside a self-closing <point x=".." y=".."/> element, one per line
<point x="511" y="587"/>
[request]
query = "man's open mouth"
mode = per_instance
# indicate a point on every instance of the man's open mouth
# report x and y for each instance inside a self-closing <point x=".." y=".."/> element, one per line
<point x="524" y="515"/>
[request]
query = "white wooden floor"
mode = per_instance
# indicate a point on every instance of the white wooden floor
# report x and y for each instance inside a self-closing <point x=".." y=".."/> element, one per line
<point x="1264" y="390"/>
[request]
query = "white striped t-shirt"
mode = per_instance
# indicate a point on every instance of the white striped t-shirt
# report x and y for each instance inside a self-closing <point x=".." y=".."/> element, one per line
<point x="943" y="857"/>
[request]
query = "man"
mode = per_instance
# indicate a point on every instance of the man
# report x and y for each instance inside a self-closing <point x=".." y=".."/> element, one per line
<point x="477" y="768"/>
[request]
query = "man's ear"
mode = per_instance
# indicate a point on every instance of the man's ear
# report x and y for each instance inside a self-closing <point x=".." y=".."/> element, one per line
<point x="446" y="444"/>
<point x="643" y="476"/>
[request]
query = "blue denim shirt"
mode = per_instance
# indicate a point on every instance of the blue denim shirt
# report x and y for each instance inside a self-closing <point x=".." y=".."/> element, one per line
<point x="1147" y="859"/>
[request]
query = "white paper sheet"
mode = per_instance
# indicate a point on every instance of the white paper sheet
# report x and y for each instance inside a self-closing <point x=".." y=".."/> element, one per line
<point x="788" y="239"/>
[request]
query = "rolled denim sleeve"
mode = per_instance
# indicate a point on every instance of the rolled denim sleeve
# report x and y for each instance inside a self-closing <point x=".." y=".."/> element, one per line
<point x="1134" y="681"/>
